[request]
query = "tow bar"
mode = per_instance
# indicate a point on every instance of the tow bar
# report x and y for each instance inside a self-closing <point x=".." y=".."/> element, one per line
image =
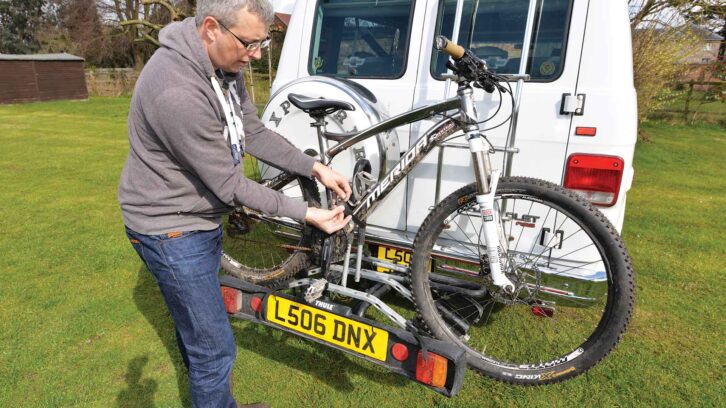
<point x="437" y="365"/>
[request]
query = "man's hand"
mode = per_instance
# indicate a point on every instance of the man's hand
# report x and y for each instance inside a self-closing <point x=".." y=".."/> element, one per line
<point x="332" y="180"/>
<point x="327" y="221"/>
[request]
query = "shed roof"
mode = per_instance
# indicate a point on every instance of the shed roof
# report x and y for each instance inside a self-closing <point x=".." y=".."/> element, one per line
<point x="705" y="33"/>
<point x="39" y="57"/>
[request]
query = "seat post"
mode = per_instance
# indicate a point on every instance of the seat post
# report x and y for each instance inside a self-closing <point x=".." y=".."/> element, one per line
<point x="319" y="124"/>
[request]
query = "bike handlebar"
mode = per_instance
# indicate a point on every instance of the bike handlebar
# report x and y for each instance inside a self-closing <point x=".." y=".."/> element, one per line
<point x="467" y="65"/>
<point x="455" y="50"/>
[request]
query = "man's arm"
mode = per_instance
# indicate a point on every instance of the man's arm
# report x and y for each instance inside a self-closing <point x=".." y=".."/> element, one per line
<point x="188" y="128"/>
<point x="271" y="147"/>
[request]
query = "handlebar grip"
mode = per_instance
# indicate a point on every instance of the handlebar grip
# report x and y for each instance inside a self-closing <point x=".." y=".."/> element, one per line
<point x="456" y="51"/>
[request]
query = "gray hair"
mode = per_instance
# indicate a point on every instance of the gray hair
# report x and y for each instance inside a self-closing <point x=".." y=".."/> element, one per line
<point x="223" y="10"/>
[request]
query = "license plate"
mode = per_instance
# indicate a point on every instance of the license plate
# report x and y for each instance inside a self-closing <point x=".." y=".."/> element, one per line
<point x="331" y="328"/>
<point x="393" y="255"/>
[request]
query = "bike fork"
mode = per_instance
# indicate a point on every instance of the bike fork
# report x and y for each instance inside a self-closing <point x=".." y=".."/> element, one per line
<point x="486" y="182"/>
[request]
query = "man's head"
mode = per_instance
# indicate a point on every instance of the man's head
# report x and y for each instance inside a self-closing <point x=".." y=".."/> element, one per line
<point x="233" y="30"/>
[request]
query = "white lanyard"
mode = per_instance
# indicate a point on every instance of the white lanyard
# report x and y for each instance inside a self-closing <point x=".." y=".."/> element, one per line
<point x="234" y="131"/>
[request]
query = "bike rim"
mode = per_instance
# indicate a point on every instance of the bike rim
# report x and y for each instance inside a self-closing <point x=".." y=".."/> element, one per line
<point x="563" y="285"/>
<point x="270" y="242"/>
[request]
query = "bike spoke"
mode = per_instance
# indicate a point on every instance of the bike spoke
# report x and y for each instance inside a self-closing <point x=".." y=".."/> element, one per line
<point x="559" y="297"/>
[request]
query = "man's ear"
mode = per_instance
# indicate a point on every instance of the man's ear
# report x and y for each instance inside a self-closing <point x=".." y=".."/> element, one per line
<point x="210" y="29"/>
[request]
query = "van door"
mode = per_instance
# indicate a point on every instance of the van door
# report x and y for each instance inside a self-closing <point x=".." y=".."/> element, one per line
<point x="375" y="44"/>
<point x="495" y="31"/>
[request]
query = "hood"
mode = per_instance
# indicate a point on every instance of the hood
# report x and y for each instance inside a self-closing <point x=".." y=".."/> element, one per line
<point x="183" y="38"/>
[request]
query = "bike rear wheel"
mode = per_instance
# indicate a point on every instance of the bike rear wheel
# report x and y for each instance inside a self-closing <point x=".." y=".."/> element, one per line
<point x="574" y="282"/>
<point x="269" y="251"/>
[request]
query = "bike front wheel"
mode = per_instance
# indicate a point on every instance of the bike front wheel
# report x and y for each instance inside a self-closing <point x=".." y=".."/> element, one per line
<point x="574" y="282"/>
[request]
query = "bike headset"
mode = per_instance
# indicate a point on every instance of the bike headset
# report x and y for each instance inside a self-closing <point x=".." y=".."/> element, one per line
<point x="475" y="71"/>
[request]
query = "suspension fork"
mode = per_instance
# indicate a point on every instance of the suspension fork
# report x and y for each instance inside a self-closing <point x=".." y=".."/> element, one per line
<point x="486" y="185"/>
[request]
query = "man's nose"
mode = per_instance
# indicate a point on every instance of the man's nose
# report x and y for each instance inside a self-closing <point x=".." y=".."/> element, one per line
<point x="256" y="54"/>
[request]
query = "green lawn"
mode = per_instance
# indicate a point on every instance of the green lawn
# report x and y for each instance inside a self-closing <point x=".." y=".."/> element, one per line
<point x="83" y="324"/>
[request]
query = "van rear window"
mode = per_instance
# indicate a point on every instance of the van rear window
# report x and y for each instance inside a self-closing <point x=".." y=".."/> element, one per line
<point x="361" y="38"/>
<point x="494" y="31"/>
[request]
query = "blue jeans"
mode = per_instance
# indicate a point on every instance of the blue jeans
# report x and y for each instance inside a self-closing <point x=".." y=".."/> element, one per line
<point x="185" y="265"/>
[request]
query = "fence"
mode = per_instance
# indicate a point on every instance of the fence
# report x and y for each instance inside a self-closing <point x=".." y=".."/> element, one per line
<point x="703" y="101"/>
<point x="111" y="81"/>
<point x="121" y="81"/>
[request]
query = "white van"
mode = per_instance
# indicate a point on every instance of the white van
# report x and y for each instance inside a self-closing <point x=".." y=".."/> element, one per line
<point x="576" y="121"/>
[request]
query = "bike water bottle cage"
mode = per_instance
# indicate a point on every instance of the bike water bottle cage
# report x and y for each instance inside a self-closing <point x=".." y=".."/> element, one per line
<point x="318" y="107"/>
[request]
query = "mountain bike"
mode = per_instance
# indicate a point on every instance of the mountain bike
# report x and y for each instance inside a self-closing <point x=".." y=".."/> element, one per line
<point x="530" y="279"/>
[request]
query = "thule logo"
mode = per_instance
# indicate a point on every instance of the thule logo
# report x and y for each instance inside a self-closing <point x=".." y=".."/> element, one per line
<point x="323" y="305"/>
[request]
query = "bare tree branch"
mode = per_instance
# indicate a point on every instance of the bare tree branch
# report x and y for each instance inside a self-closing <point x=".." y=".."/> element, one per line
<point x="148" y="38"/>
<point x="142" y="23"/>
<point x="644" y="11"/>
<point x="176" y="14"/>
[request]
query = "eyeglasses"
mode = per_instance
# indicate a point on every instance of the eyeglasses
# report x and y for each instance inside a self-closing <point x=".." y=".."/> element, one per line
<point x="249" y="46"/>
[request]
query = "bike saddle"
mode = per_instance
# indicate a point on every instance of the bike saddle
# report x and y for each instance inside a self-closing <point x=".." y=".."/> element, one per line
<point x="315" y="106"/>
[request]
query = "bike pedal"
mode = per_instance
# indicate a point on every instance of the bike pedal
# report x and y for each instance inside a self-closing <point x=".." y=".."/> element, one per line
<point x="315" y="290"/>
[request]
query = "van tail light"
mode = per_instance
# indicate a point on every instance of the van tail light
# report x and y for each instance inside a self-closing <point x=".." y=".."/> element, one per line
<point x="596" y="177"/>
<point x="232" y="299"/>
<point x="431" y="371"/>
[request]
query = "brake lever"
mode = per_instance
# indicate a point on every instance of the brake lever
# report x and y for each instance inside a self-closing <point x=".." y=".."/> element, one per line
<point x="487" y="86"/>
<point x="452" y="67"/>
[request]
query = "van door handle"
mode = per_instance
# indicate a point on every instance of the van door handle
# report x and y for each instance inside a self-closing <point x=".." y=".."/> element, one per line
<point x="572" y="104"/>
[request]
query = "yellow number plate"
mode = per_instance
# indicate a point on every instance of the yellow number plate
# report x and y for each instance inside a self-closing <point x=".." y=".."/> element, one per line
<point x="393" y="255"/>
<point x="340" y="331"/>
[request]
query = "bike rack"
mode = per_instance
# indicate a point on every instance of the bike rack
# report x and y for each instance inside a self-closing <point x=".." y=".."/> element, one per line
<point x="407" y="354"/>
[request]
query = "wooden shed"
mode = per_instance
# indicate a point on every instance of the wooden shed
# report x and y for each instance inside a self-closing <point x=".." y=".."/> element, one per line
<point x="41" y="77"/>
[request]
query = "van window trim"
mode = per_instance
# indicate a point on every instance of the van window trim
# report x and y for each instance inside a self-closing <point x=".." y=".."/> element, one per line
<point x="565" y="43"/>
<point x="412" y="14"/>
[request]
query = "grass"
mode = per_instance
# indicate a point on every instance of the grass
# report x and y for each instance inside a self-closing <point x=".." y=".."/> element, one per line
<point x="83" y="324"/>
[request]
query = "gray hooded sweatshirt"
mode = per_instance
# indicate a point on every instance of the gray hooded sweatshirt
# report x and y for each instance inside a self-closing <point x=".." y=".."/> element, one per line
<point x="180" y="175"/>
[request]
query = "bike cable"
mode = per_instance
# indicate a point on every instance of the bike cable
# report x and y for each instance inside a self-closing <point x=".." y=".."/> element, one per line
<point x="499" y="107"/>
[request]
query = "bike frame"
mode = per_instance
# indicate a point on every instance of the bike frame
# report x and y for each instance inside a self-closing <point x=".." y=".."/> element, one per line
<point x="480" y="148"/>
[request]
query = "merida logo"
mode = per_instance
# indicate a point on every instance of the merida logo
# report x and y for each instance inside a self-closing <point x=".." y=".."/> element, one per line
<point x="405" y="164"/>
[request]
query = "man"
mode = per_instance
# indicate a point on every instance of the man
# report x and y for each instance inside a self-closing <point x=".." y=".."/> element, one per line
<point x="188" y="119"/>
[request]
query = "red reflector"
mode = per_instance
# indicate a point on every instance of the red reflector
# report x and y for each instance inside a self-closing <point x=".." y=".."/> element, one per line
<point x="256" y="304"/>
<point x="399" y="352"/>
<point x="232" y="299"/>
<point x="542" y="311"/>
<point x="431" y="371"/>
<point x="596" y="177"/>
<point x="585" y="131"/>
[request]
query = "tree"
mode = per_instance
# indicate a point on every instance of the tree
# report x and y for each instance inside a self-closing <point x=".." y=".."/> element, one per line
<point x="661" y="39"/>
<point x="73" y="26"/>
<point x="19" y="23"/>
<point x="141" y="21"/>
<point x="712" y="15"/>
